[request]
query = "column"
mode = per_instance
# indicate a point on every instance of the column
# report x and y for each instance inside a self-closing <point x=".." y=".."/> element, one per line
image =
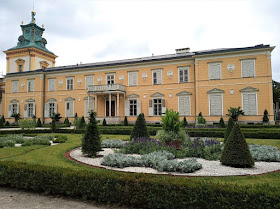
<point x="110" y="105"/>
<point x="88" y="103"/>
<point x="95" y="104"/>
<point x="118" y="104"/>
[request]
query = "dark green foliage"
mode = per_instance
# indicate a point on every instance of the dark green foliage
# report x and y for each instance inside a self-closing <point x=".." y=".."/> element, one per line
<point x="104" y="123"/>
<point x="234" y="113"/>
<point x="200" y="114"/>
<point x="229" y="129"/>
<point x="1" y="123"/>
<point x="7" y="123"/>
<point x="125" y="122"/>
<point x="236" y="152"/>
<point x="171" y="121"/>
<point x="60" y="139"/>
<point x="140" y="128"/>
<point x="56" y="117"/>
<point x="76" y="116"/>
<point x="39" y="123"/>
<point x="222" y="123"/>
<point x="16" y="116"/>
<point x="137" y="190"/>
<point x="201" y="119"/>
<point x="53" y="126"/>
<point x="3" y="119"/>
<point x="185" y="122"/>
<point x="265" y="117"/>
<point x="91" y="143"/>
<point x="66" y="122"/>
<point x="82" y="123"/>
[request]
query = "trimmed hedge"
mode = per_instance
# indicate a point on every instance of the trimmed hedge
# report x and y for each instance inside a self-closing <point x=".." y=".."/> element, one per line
<point x="138" y="190"/>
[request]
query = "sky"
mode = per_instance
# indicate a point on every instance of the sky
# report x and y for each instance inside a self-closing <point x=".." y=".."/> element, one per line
<point x="90" y="31"/>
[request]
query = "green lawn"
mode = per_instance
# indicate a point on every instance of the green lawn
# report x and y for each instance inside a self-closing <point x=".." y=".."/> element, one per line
<point x="54" y="156"/>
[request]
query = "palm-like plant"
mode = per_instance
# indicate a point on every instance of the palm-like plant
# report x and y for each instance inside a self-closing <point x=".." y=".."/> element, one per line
<point x="171" y="121"/>
<point x="234" y="113"/>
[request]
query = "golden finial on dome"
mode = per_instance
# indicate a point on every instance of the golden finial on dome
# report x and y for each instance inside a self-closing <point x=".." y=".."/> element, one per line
<point x="22" y="22"/>
<point x="43" y="26"/>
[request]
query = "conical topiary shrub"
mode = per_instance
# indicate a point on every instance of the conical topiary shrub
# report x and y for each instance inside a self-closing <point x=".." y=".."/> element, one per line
<point x="1" y="123"/>
<point x="236" y="152"/>
<point x="185" y="122"/>
<point x="66" y="122"/>
<point x="140" y="129"/>
<point x="222" y="123"/>
<point x="39" y="123"/>
<point x="125" y="122"/>
<point x="82" y="123"/>
<point x="91" y="143"/>
<point x="265" y="117"/>
<point x="3" y="119"/>
<point x="229" y="128"/>
<point x="104" y="123"/>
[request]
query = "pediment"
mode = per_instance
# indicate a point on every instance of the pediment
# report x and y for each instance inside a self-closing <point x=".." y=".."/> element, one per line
<point x="90" y="98"/>
<point x="14" y="101"/>
<point x="69" y="99"/>
<point x="30" y="100"/>
<point x="249" y="89"/>
<point x="183" y="93"/>
<point x="132" y="96"/>
<point x="215" y="90"/>
<point x="157" y="94"/>
<point x="51" y="100"/>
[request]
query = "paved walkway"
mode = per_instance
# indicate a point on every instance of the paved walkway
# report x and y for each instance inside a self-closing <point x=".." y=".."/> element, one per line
<point x="19" y="199"/>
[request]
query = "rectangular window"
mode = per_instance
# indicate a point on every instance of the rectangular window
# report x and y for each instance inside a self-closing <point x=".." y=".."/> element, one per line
<point x="70" y="109"/>
<point x="248" y="68"/>
<point x="110" y="79"/>
<point x="216" y="104"/>
<point x="250" y="103"/>
<point x="184" y="105"/>
<point x="133" y="107"/>
<point x="157" y="76"/>
<point x="214" y="70"/>
<point x="183" y="75"/>
<point x="52" y="84"/>
<point x="157" y="107"/>
<point x="89" y="81"/>
<point x="70" y="83"/>
<point x="14" y="108"/>
<point x="132" y="78"/>
<point x="20" y="67"/>
<point x="30" y="85"/>
<point x="30" y="109"/>
<point x="14" y="86"/>
<point x="51" y="109"/>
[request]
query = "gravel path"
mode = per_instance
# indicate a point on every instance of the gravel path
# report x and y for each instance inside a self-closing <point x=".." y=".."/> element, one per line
<point x="209" y="168"/>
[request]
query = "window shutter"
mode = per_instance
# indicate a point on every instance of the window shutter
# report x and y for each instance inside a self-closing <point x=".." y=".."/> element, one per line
<point x="163" y="105"/>
<point x="10" y="112"/>
<point x="215" y="105"/>
<point x="214" y="70"/>
<point x="89" y="81"/>
<point x="55" y="107"/>
<point x="248" y="68"/>
<point x="181" y="106"/>
<point x="31" y="85"/>
<point x="91" y="107"/>
<point x="71" y="106"/>
<point x="47" y="110"/>
<point x="138" y="106"/>
<point x="51" y="84"/>
<point x="159" y="77"/>
<point x="25" y="112"/>
<point x="34" y="109"/>
<point x="184" y="105"/>
<point x="86" y="108"/>
<point x="17" y="108"/>
<point x="126" y="107"/>
<point x="252" y="104"/>
<point x="151" y="113"/>
<point x="246" y="104"/>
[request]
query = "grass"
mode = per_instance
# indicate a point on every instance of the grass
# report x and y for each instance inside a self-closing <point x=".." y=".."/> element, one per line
<point x="54" y="156"/>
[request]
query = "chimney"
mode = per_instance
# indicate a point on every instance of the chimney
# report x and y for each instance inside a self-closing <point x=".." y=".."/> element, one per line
<point x="182" y="50"/>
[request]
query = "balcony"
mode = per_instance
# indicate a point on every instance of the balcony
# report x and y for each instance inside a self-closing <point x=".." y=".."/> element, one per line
<point x="106" y="88"/>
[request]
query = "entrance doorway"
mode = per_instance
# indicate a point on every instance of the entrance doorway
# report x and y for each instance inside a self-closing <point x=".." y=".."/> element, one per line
<point x="112" y="109"/>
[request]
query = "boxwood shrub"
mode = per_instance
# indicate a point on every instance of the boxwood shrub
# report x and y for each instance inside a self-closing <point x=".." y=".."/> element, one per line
<point x="138" y="190"/>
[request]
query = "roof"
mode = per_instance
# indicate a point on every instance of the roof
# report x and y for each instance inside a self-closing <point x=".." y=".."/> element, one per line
<point x="149" y="59"/>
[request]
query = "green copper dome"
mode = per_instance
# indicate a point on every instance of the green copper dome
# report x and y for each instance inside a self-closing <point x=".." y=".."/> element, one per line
<point x="31" y="36"/>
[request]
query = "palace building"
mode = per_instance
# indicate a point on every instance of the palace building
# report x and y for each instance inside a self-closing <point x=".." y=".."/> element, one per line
<point x="188" y="82"/>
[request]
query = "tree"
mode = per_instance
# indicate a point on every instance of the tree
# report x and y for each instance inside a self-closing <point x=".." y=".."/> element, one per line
<point x="91" y="143"/>
<point x="201" y="119"/>
<point x="56" y="117"/>
<point x="234" y="113"/>
<point x="39" y="123"/>
<point x="185" y="122"/>
<point x="104" y="122"/>
<point x="276" y="91"/>
<point x="222" y="123"/>
<point x="53" y="126"/>
<point x="125" y="122"/>
<point x="66" y="122"/>
<point x="236" y="152"/>
<point x="3" y="119"/>
<point x="82" y="123"/>
<point x="16" y="116"/>
<point x="1" y="123"/>
<point x="140" y="129"/>
<point x="265" y="117"/>
<point x="229" y="129"/>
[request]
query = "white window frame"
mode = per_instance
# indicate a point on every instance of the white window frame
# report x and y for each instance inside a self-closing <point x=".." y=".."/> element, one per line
<point x="67" y="79"/>
<point x="29" y="114"/>
<point x="158" y="104"/>
<point x="30" y="81"/>
<point x="130" y="78"/>
<point x="211" y="63"/>
<point x="183" y="69"/>
<point x="209" y="103"/>
<point x="135" y="100"/>
<point x="254" y="63"/>
<point x="110" y="74"/>
<point x="181" y="114"/>
<point x="13" y="83"/>
<point x="50" y="108"/>
<point x="14" y="107"/>
<point x="49" y="84"/>
<point x="66" y="108"/>
<point x="86" y="84"/>
<point x="254" y="92"/>
<point x="157" y="71"/>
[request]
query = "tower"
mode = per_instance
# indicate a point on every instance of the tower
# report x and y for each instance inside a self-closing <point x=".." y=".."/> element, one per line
<point x="30" y="53"/>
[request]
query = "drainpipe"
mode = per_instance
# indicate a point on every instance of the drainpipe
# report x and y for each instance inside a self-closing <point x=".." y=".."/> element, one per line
<point x="44" y="96"/>
<point x="194" y="94"/>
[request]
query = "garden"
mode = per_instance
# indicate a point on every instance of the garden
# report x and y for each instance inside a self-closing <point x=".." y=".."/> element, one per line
<point x="168" y="149"/>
